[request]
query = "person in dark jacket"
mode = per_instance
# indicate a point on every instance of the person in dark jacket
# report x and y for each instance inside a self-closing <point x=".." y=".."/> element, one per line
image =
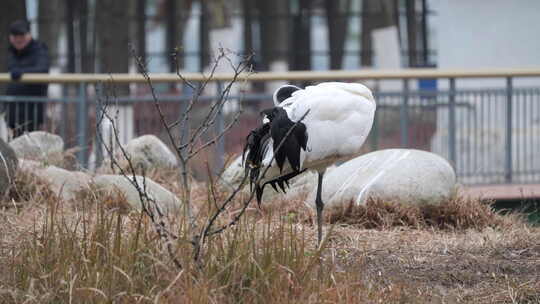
<point x="26" y="55"/>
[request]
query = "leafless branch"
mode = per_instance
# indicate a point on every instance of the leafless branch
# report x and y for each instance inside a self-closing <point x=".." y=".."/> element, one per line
<point x="148" y="204"/>
<point x="199" y="91"/>
<point x="185" y="152"/>
<point x="217" y="137"/>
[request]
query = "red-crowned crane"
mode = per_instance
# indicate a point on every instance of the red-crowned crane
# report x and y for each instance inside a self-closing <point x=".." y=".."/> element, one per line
<point x="339" y="118"/>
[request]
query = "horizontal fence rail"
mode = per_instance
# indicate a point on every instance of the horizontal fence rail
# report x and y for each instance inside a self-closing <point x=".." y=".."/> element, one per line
<point x="418" y="73"/>
<point x="489" y="135"/>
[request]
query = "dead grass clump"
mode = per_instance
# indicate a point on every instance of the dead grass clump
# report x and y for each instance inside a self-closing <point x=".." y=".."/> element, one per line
<point x="464" y="213"/>
<point x="92" y="255"/>
<point x="108" y="199"/>
<point x="102" y="256"/>
<point x="457" y="213"/>
<point x="28" y="188"/>
<point x="376" y="214"/>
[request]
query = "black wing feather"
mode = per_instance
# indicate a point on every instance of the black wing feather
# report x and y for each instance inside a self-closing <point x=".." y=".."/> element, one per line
<point x="301" y="135"/>
<point x="290" y="149"/>
<point x="257" y="142"/>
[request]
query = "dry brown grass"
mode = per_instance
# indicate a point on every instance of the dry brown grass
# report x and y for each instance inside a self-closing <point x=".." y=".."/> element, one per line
<point x="457" y="213"/>
<point x="89" y="252"/>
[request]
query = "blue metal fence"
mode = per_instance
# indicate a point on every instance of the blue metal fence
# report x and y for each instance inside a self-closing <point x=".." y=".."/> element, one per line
<point x="489" y="135"/>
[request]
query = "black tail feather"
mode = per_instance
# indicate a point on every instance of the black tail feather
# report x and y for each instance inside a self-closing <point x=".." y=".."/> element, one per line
<point x="281" y="186"/>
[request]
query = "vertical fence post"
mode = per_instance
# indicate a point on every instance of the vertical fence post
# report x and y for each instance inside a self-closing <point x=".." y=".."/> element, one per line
<point x="452" y="123"/>
<point x="508" y="155"/>
<point x="404" y="115"/>
<point x="82" y="126"/>
<point x="220" y="126"/>
<point x="64" y="112"/>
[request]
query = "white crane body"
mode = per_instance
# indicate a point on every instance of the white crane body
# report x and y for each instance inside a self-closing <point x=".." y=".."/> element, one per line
<point x="338" y="121"/>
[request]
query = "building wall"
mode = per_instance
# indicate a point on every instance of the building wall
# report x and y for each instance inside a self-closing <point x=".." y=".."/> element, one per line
<point x="495" y="33"/>
<point x="489" y="34"/>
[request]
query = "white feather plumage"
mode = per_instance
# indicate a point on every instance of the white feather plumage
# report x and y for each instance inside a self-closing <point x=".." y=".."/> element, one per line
<point x="339" y="120"/>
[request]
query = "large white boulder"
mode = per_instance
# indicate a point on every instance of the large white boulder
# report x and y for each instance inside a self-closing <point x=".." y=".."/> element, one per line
<point x="38" y="145"/>
<point x="163" y="198"/>
<point x="65" y="184"/>
<point x="397" y="175"/>
<point x="150" y="152"/>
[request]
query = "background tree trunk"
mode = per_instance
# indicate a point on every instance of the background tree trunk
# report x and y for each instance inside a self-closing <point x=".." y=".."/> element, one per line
<point x="337" y="21"/>
<point x="375" y="14"/>
<point x="49" y="25"/>
<point x="141" y="28"/>
<point x="204" y="36"/>
<point x="80" y="36"/>
<point x="70" y="33"/>
<point x="10" y="10"/>
<point x="172" y="39"/>
<point x="177" y="14"/>
<point x="412" y="27"/>
<point x="112" y="25"/>
<point x="113" y="36"/>
<point x="273" y="21"/>
<point x="247" y="11"/>
<point x="301" y="37"/>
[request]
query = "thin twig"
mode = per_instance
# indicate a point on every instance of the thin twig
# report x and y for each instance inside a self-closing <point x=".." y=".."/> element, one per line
<point x="148" y="204"/>
<point x="216" y="138"/>
<point x="177" y="65"/>
<point x="195" y="98"/>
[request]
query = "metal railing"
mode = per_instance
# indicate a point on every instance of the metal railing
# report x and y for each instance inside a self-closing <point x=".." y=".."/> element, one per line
<point x="489" y="135"/>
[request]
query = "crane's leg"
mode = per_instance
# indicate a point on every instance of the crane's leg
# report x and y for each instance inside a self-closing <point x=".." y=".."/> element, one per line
<point x="320" y="206"/>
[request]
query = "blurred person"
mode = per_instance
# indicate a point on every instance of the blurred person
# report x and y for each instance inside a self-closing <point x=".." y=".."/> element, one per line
<point x="25" y="55"/>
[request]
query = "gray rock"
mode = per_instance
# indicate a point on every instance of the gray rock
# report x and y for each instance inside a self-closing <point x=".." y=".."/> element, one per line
<point x="38" y="145"/>
<point x="8" y="166"/>
<point x="150" y="152"/>
<point x="164" y="199"/>
<point x="62" y="182"/>
<point x="233" y="174"/>
<point x="397" y="175"/>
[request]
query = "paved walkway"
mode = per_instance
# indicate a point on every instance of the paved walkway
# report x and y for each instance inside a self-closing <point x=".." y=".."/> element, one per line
<point x="504" y="191"/>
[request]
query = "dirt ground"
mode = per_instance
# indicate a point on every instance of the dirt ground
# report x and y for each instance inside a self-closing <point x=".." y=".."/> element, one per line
<point x="444" y="266"/>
